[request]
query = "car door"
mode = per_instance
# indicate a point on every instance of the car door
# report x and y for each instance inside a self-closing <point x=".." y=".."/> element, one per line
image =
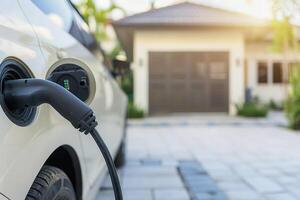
<point x="61" y="40"/>
<point x="23" y="150"/>
<point x="17" y="41"/>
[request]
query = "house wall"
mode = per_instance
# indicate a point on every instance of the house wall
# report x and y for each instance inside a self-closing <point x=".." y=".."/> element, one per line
<point x="256" y="52"/>
<point x="196" y="40"/>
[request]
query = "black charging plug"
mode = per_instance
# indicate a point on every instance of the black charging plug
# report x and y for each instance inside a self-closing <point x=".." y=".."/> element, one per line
<point x="23" y="93"/>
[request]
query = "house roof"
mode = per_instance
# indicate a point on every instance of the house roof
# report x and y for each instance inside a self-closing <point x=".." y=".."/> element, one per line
<point x="189" y="14"/>
<point x="180" y="16"/>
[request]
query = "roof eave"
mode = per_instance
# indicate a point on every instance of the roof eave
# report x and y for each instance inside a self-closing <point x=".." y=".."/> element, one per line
<point x="125" y="32"/>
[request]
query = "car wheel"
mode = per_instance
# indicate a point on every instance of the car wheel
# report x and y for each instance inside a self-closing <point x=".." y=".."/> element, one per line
<point x="51" y="183"/>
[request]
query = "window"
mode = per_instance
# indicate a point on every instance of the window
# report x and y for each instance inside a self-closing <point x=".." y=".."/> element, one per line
<point x="58" y="11"/>
<point x="277" y="72"/>
<point x="218" y="70"/>
<point x="63" y="14"/>
<point x="262" y="72"/>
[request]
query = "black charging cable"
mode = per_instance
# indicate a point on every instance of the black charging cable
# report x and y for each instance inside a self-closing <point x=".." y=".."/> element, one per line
<point x="23" y="93"/>
<point x="110" y="164"/>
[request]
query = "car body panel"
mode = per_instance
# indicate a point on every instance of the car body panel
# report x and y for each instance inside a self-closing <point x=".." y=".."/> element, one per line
<point x="23" y="150"/>
<point x="29" y="35"/>
<point x="3" y="197"/>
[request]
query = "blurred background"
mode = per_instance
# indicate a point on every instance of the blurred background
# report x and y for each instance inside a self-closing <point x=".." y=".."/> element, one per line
<point x="269" y="26"/>
<point x="214" y="96"/>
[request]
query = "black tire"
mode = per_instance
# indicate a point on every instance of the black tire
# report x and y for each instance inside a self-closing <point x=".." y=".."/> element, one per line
<point x="121" y="157"/>
<point x="51" y="184"/>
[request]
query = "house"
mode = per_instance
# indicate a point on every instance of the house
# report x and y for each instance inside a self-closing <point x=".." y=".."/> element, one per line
<point x="194" y="58"/>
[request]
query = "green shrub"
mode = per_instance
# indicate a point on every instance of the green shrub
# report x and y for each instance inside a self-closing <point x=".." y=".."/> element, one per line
<point x="135" y="112"/>
<point x="127" y="85"/>
<point x="252" y="109"/>
<point x="292" y="105"/>
<point x="275" y="105"/>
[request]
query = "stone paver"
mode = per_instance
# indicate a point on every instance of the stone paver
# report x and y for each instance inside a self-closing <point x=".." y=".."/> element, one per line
<point x="155" y="182"/>
<point x="198" y="183"/>
<point x="244" y="195"/>
<point x="245" y="159"/>
<point x="149" y="171"/>
<point x="264" y="185"/>
<point x="171" y="194"/>
<point x="280" y="196"/>
<point x="127" y="194"/>
<point x="138" y="194"/>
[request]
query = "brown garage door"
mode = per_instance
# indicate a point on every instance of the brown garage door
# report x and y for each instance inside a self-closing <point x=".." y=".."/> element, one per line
<point x="188" y="82"/>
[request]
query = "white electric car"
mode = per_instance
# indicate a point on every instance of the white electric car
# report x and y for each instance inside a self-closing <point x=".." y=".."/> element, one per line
<point x="41" y="155"/>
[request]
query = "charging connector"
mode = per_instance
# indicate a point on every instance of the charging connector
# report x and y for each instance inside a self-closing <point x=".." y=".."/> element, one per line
<point x="23" y="93"/>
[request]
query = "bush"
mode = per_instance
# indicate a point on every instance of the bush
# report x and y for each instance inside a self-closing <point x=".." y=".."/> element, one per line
<point x="127" y="85"/>
<point x="134" y="112"/>
<point x="252" y="109"/>
<point x="275" y="106"/>
<point x="292" y="105"/>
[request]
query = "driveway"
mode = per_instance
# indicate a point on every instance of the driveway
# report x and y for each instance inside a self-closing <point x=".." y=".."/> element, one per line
<point x="210" y="157"/>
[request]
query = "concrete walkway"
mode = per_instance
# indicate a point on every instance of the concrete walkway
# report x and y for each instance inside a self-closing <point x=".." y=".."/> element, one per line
<point x="183" y="158"/>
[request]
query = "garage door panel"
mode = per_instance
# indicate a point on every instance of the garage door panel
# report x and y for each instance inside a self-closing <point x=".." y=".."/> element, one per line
<point x="199" y="94"/>
<point x="216" y="56"/>
<point x="178" y="92"/>
<point x="219" y="96"/>
<point x="158" y="91"/>
<point x="218" y="71"/>
<point x="158" y="77"/>
<point x="159" y="63"/>
<point x="177" y="66"/>
<point x="198" y="70"/>
<point x="188" y="82"/>
<point x="217" y="105"/>
<point x="158" y="97"/>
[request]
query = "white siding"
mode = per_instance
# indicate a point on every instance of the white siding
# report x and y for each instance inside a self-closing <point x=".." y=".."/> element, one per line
<point x="256" y="52"/>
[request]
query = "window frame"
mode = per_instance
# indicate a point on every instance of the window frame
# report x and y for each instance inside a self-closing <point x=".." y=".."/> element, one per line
<point x="258" y="72"/>
<point x="282" y="72"/>
<point x="42" y="5"/>
<point x="95" y="48"/>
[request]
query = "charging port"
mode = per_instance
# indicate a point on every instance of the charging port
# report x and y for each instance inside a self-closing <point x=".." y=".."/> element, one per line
<point x="73" y="78"/>
<point x="12" y="69"/>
